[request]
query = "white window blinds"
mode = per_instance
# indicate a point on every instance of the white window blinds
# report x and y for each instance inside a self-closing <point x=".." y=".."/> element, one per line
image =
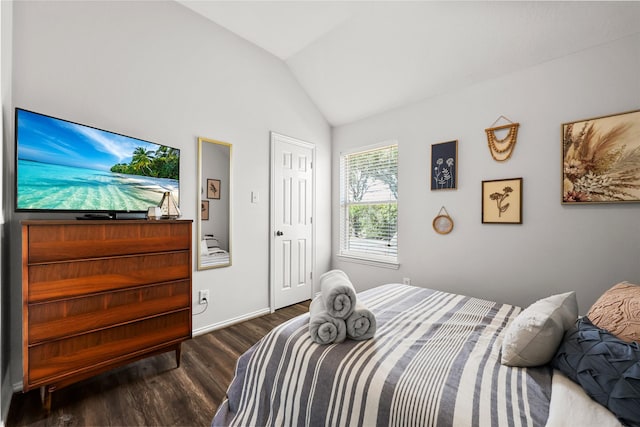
<point x="369" y="204"/>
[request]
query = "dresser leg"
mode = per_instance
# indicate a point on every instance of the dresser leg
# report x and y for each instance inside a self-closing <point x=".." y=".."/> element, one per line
<point x="178" y="353"/>
<point x="45" y="395"/>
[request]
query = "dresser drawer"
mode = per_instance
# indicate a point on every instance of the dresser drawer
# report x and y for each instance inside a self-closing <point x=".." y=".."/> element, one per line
<point x="54" y="242"/>
<point x="59" y="318"/>
<point x="69" y="279"/>
<point x="53" y="361"/>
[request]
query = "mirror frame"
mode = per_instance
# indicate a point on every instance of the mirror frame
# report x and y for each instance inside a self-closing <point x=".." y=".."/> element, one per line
<point x="201" y="197"/>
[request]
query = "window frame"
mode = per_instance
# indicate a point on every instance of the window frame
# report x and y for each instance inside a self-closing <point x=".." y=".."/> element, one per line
<point x="362" y="257"/>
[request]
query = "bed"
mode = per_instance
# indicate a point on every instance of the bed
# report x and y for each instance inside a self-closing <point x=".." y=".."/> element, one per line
<point x="435" y="360"/>
<point x="214" y="256"/>
<point x="211" y="254"/>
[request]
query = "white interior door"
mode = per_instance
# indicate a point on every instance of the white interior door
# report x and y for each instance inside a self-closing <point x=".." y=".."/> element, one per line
<point x="292" y="205"/>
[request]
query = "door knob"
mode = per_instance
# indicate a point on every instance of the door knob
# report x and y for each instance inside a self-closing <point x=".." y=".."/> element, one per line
<point x="279" y="233"/>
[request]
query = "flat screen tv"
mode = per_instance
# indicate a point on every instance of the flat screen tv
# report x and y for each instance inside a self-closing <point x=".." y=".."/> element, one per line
<point x="62" y="166"/>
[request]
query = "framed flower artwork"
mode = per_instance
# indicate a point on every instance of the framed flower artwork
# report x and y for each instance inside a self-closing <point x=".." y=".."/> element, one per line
<point x="204" y="210"/>
<point x="502" y="201"/>
<point x="444" y="166"/>
<point x="213" y="188"/>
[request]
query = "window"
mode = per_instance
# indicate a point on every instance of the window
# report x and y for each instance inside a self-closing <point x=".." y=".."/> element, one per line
<point x="369" y="204"/>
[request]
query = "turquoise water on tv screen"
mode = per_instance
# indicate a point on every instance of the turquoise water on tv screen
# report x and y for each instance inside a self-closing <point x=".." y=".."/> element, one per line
<point x="51" y="186"/>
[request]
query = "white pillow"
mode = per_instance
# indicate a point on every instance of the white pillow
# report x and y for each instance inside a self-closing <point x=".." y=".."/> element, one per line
<point x="535" y="334"/>
<point x="571" y="405"/>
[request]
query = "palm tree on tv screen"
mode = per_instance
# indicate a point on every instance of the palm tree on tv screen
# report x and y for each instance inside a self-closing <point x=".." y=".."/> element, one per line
<point x="142" y="160"/>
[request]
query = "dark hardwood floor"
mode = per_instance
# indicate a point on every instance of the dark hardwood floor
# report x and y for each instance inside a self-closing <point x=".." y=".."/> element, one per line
<point x="152" y="392"/>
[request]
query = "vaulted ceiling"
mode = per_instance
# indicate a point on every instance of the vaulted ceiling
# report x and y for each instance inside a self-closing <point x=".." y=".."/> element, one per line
<point x="356" y="59"/>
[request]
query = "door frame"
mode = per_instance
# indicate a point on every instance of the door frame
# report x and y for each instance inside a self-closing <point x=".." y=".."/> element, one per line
<point x="277" y="137"/>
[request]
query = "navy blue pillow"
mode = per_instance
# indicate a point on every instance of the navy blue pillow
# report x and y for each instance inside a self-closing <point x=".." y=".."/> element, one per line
<point x="606" y="367"/>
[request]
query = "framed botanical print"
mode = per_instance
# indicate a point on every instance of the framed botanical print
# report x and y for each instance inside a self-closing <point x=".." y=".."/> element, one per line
<point x="502" y="201"/>
<point x="444" y="166"/>
<point x="213" y="189"/>
<point x="204" y="210"/>
<point x="601" y="159"/>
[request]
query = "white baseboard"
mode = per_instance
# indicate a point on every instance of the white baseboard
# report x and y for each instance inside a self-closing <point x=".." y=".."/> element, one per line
<point x="220" y="325"/>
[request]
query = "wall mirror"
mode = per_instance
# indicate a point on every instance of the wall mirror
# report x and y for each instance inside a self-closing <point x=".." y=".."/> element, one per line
<point x="214" y="214"/>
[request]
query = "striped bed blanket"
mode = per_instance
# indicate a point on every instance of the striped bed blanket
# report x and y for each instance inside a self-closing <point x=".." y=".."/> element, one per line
<point x="434" y="361"/>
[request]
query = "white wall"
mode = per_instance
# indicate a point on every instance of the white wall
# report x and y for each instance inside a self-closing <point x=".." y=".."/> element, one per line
<point x="558" y="247"/>
<point x="159" y="72"/>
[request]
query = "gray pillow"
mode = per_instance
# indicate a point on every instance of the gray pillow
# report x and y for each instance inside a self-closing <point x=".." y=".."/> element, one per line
<point x="607" y="368"/>
<point x="535" y="334"/>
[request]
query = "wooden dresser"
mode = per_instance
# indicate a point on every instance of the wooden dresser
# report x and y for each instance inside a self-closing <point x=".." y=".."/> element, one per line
<point x="101" y="294"/>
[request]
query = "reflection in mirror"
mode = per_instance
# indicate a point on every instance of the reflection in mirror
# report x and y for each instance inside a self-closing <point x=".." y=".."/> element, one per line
<point x="214" y="176"/>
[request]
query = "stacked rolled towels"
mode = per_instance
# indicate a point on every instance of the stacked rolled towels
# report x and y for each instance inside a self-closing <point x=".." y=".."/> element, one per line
<point x="361" y="324"/>
<point x="337" y="314"/>
<point x="324" y="328"/>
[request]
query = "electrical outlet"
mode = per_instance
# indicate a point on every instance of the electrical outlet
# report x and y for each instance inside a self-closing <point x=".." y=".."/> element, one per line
<point x="406" y="280"/>
<point x="203" y="296"/>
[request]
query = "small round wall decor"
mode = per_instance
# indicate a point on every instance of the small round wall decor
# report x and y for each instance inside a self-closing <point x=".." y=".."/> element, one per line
<point x="443" y="224"/>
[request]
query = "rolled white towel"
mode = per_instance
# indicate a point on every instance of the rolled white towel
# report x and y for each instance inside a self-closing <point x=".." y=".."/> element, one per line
<point x="338" y="293"/>
<point x="324" y="328"/>
<point x="361" y="324"/>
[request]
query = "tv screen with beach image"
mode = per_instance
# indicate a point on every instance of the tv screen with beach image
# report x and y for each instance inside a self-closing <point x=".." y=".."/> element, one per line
<point x="65" y="166"/>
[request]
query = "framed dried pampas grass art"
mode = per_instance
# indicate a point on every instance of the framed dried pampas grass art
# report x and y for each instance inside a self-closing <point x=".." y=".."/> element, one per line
<point x="601" y="159"/>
